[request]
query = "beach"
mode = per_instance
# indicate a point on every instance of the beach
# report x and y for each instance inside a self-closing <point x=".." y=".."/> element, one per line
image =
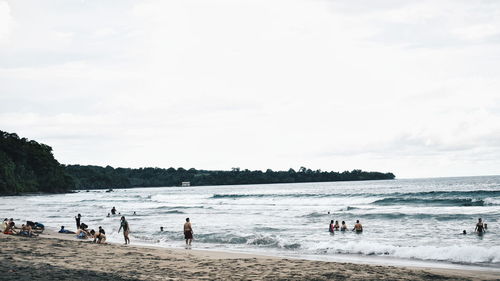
<point x="54" y="256"/>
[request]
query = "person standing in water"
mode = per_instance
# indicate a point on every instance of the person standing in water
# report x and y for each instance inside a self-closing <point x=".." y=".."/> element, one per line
<point x="331" y="228"/>
<point x="188" y="233"/>
<point x="126" y="230"/>
<point x="479" y="226"/>
<point x="358" y="227"/>
<point x="113" y="211"/>
<point x="77" y="219"/>
<point x="336" y="226"/>
<point x="343" y="227"/>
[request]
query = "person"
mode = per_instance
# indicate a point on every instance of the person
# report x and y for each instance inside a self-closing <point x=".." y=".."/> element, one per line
<point x="336" y="226"/>
<point x="5" y="224"/>
<point x="62" y="230"/>
<point x="81" y="234"/>
<point x="358" y="227"/>
<point x="464" y="232"/>
<point x="134" y="213"/>
<point x="100" y="238"/>
<point x="479" y="226"/>
<point x="485" y="226"/>
<point x="126" y="229"/>
<point x="77" y="219"/>
<point x="331" y="228"/>
<point x="101" y="230"/>
<point x="188" y="233"/>
<point x="26" y="230"/>
<point x="113" y="211"/>
<point x="109" y="215"/>
<point x="10" y="227"/>
<point x="161" y="228"/>
<point x="343" y="227"/>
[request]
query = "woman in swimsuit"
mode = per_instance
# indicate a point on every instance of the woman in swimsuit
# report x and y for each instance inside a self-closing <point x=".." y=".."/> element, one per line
<point x="331" y="227"/>
<point x="479" y="226"/>
<point x="336" y="226"/>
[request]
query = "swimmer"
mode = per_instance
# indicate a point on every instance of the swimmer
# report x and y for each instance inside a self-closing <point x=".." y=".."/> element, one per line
<point x="358" y="227"/>
<point x="161" y="228"/>
<point x="113" y="211"/>
<point x="337" y="226"/>
<point x="331" y="227"/>
<point x="343" y="227"/>
<point x="479" y="226"/>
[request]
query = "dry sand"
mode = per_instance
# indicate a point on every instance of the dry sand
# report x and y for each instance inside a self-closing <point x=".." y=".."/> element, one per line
<point x="54" y="256"/>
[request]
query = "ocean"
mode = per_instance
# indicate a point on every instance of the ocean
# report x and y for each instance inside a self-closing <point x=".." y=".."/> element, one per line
<point x="405" y="219"/>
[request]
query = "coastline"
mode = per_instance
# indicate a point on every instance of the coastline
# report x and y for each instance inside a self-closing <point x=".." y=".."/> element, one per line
<point x="61" y="256"/>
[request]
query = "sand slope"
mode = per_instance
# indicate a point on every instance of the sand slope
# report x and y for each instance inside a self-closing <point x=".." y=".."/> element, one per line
<point x="63" y="258"/>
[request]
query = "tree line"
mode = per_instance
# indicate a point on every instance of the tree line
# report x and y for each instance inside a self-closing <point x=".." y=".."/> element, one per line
<point x="29" y="166"/>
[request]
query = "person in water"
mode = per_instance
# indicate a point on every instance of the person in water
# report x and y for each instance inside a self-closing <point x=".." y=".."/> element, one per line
<point x="358" y="227"/>
<point x="161" y="228"/>
<point x="464" y="232"/>
<point x="336" y="226"/>
<point x="343" y="227"/>
<point x="479" y="226"/>
<point x="188" y="233"/>
<point x="126" y="229"/>
<point x="113" y="211"/>
<point x="77" y="219"/>
<point x="101" y="230"/>
<point x="109" y="215"/>
<point x="331" y="228"/>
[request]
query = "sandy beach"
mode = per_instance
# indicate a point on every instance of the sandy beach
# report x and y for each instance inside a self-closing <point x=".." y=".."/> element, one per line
<point x="54" y="256"/>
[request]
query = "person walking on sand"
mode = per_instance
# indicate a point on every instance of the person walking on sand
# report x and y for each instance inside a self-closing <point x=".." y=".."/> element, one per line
<point x="77" y="219"/>
<point x="358" y="227"/>
<point x="126" y="230"/>
<point x="188" y="233"/>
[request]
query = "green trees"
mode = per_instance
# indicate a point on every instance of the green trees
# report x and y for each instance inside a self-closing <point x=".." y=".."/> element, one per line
<point x="29" y="166"/>
<point x="88" y="177"/>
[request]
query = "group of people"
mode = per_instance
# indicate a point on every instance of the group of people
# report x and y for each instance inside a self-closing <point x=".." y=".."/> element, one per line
<point x="336" y="227"/>
<point x="83" y="232"/>
<point x="30" y="229"/>
<point x="480" y="228"/>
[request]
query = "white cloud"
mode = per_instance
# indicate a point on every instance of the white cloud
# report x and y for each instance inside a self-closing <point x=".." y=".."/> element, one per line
<point x="389" y="86"/>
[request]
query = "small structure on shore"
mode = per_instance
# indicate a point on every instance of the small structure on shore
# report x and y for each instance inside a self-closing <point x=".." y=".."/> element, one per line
<point x="185" y="184"/>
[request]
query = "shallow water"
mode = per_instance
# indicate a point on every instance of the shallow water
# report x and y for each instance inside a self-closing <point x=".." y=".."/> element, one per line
<point x="408" y="219"/>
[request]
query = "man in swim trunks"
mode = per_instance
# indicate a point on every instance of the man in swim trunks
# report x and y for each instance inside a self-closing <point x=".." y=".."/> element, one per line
<point x="126" y="229"/>
<point x="343" y="227"/>
<point x="479" y="226"/>
<point x="188" y="233"/>
<point x="358" y="227"/>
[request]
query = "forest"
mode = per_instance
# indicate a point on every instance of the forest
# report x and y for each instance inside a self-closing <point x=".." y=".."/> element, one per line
<point x="27" y="166"/>
<point x="90" y="177"/>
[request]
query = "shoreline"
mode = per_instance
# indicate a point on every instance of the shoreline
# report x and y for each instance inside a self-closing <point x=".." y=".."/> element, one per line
<point x="57" y="255"/>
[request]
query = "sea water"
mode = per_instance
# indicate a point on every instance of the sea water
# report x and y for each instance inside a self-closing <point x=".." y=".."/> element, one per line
<point x="412" y="219"/>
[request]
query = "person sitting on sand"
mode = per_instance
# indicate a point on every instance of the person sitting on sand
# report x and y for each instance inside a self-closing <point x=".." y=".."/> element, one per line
<point x="100" y="237"/>
<point x="126" y="229"/>
<point x="358" y="227"/>
<point x="11" y="227"/>
<point x="62" y="230"/>
<point x="26" y="231"/>
<point x="336" y="226"/>
<point x="188" y="233"/>
<point x="81" y="234"/>
<point x="479" y="226"/>
<point x="343" y="227"/>
<point x="331" y="227"/>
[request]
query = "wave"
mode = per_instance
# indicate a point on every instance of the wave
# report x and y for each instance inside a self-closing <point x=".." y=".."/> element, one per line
<point x="456" y="253"/>
<point x="439" y="217"/>
<point x="435" y="201"/>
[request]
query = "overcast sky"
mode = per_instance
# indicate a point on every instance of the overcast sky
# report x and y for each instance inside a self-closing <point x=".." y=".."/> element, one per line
<point x="411" y="87"/>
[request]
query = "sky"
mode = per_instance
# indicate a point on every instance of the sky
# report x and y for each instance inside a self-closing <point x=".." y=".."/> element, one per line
<point x="409" y="87"/>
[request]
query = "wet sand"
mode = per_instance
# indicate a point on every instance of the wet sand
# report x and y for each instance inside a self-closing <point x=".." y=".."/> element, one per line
<point x="54" y="256"/>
